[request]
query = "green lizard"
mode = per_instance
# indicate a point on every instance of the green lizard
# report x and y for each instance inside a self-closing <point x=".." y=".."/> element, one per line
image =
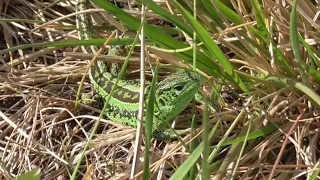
<point x="173" y="94"/>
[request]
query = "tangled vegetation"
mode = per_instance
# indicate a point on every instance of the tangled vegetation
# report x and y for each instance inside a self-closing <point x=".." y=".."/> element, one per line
<point x="260" y="63"/>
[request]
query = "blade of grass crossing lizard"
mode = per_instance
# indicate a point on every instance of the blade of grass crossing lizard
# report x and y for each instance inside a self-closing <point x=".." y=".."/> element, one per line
<point x="172" y="95"/>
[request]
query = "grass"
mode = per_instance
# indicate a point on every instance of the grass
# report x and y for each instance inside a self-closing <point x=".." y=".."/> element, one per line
<point x="260" y="62"/>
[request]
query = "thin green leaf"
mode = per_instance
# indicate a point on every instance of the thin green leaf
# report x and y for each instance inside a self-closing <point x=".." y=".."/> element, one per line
<point x="206" y="142"/>
<point x="97" y="42"/>
<point x="295" y="43"/>
<point x="214" y="50"/>
<point x="287" y="82"/>
<point x="31" y="175"/>
<point x="165" y="14"/>
<point x="259" y="133"/>
<point x="149" y="123"/>
<point x="158" y="37"/>
<point x="183" y="170"/>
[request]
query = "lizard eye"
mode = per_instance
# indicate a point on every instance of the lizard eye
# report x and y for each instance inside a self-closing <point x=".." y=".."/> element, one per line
<point x="179" y="87"/>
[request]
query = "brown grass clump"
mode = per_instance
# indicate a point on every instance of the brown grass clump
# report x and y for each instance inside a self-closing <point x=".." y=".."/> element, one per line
<point x="266" y="126"/>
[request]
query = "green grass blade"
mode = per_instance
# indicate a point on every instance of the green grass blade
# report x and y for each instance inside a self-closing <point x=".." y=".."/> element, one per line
<point x="259" y="133"/>
<point x="164" y="13"/>
<point x="295" y="43"/>
<point x="315" y="174"/>
<point x="206" y="140"/>
<point x="31" y="175"/>
<point x="106" y="103"/>
<point x="158" y="37"/>
<point x="97" y="42"/>
<point x="214" y="50"/>
<point x="287" y="82"/>
<point x="183" y="170"/>
<point x="8" y="20"/>
<point x="148" y="124"/>
<point x="265" y="36"/>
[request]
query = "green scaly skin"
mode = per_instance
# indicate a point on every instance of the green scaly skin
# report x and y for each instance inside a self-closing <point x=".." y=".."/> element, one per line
<point x="173" y="94"/>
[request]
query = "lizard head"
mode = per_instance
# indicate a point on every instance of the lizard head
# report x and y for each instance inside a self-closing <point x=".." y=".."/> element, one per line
<point x="174" y="93"/>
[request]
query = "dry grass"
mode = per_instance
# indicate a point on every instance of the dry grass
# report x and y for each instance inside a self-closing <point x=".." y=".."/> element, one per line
<point x="40" y="128"/>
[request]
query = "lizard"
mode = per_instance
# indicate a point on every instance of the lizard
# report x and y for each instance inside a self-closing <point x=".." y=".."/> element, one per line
<point x="172" y="96"/>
